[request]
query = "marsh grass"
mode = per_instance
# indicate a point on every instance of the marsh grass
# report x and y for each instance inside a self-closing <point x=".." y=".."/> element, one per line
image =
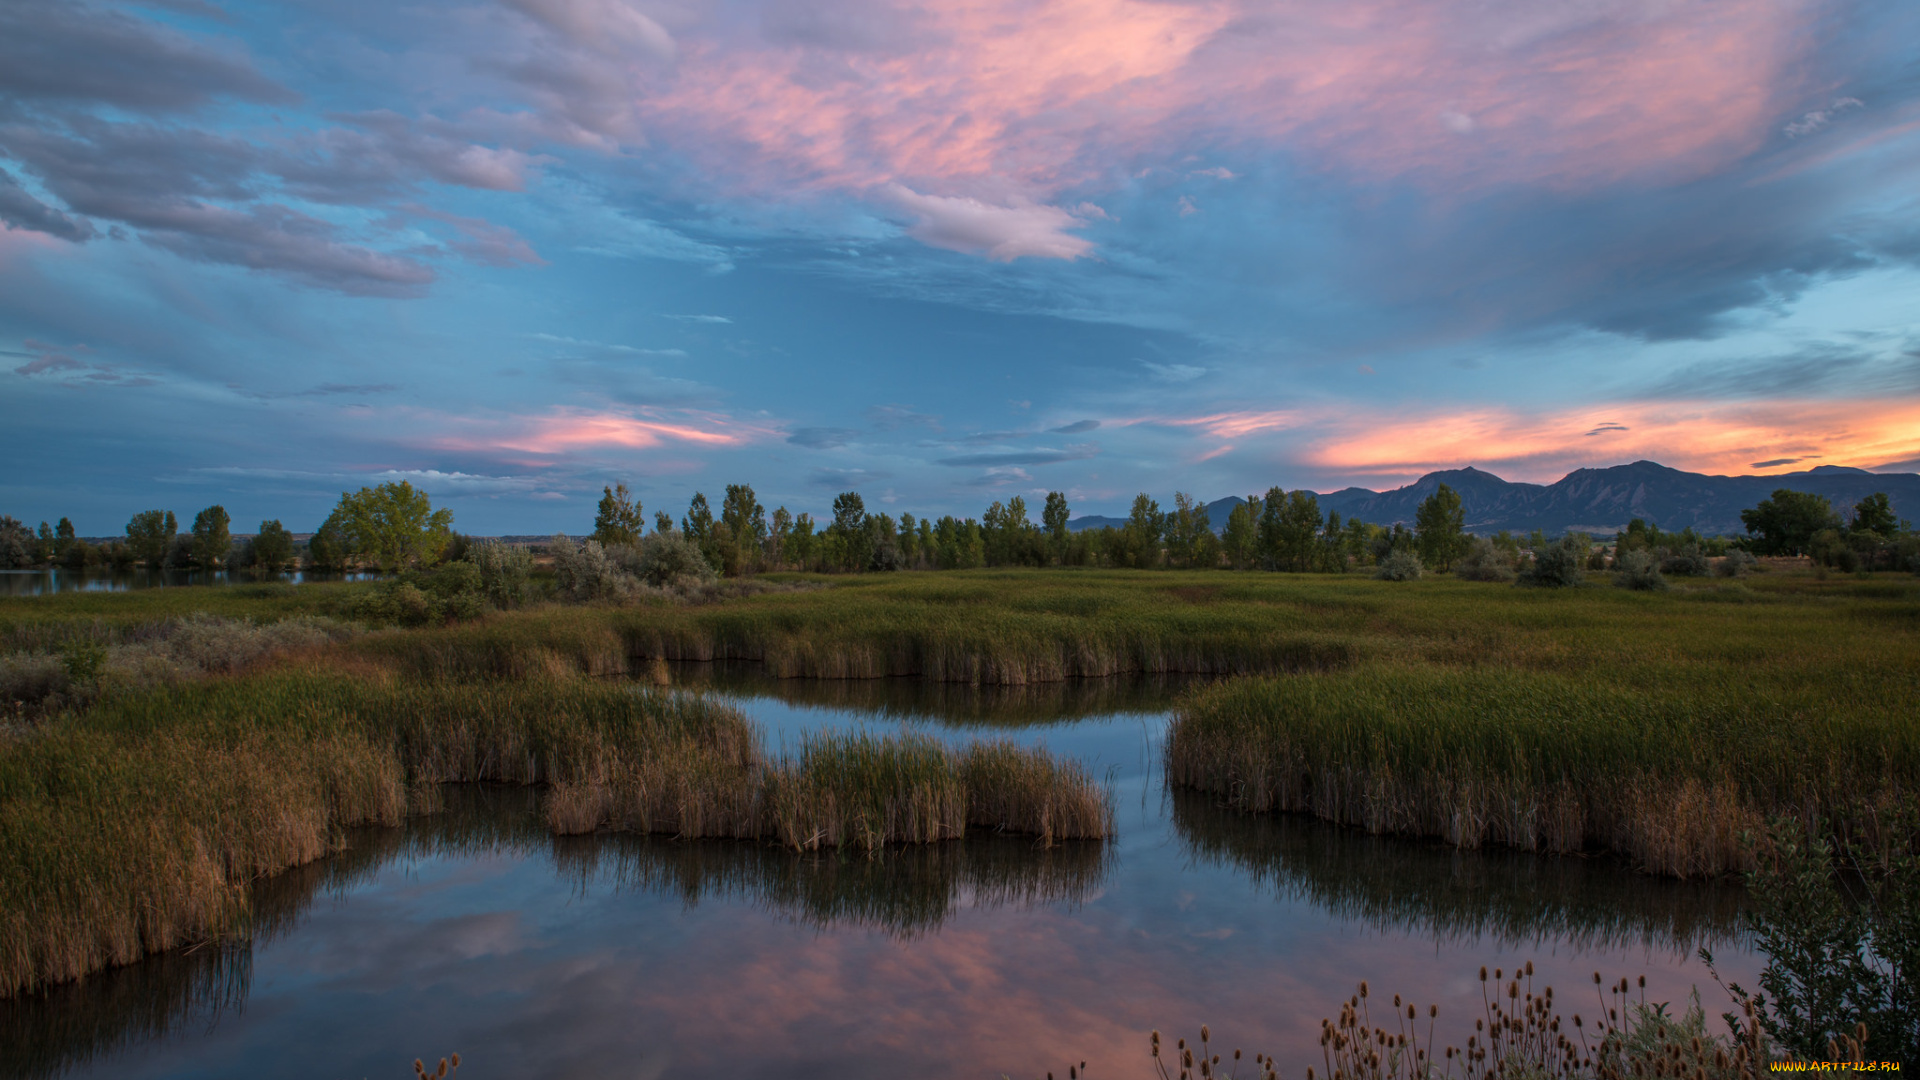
<point x="1427" y="890"/>
<point x="137" y="825"/>
<point x="1665" y="768"/>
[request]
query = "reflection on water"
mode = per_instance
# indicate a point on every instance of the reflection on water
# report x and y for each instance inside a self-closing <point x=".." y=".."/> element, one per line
<point x="902" y="892"/>
<point x="57" y="580"/>
<point x="951" y="704"/>
<point x="1442" y="893"/>
<point x="536" y="956"/>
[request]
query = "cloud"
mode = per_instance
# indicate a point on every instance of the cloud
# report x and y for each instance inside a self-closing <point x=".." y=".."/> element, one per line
<point x="1026" y="457"/>
<point x="844" y="478"/>
<point x="564" y="430"/>
<point x="821" y="438"/>
<point x="1001" y="477"/>
<point x="20" y="210"/>
<point x="1075" y="428"/>
<point x="1602" y="429"/>
<point x="1775" y="463"/>
<point x="1173" y="373"/>
<point x="1186" y="207"/>
<point x="894" y="417"/>
<point x="433" y="481"/>
<point x="613" y="28"/>
<point x="59" y="364"/>
<point x="700" y="318"/>
<point x="1001" y="233"/>
<point x="1819" y="118"/>
<point x="55" y="51"/>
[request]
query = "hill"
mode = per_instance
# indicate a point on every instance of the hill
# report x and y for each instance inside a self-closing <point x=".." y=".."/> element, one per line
<point x="1599" y="500"/>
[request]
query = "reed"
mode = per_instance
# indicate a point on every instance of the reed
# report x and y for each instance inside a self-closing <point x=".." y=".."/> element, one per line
<point x="1667" y="772"/>
<point x="137" y="825"/>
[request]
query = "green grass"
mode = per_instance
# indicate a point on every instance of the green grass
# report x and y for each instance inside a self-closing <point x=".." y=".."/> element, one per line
<point x="1654" y="725"/>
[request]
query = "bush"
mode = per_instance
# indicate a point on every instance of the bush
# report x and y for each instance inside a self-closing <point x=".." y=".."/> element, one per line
<point x="1689" y="561"/>
<point x="504" y="570"/>
<point x="668" y="559"/>
<point x="1638" y="570"/>
<point x="1483" y="562"/>
<point x="585" y="571"/>
<point x="1399" y="565"/>
<point x="1736" y="564"/>
<point x="1558" y="565"/>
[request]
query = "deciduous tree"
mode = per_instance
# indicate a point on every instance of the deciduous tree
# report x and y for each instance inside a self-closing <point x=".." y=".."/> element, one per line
<point x="393" y="525"/>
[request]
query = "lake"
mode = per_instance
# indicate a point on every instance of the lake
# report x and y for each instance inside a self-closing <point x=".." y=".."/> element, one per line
<point x="630" y="956"/>
<point x="58" y="580"/>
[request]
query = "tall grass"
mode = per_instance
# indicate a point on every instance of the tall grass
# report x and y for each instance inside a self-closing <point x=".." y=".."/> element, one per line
<point x="1427" y="891"/>
<point x="1667" y="772"/>
<point x="136" y="826"/>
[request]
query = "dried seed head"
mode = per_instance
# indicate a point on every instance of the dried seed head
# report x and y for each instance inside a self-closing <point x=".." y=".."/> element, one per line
<point x="1363" y="988"/>
<point x="1483" y="973"/>
<point x="1204" y="1033"/>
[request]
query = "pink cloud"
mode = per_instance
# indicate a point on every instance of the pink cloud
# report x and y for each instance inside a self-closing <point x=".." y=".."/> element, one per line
<point x="1712" y="437"/>
<point x="984" y="96"/>
<point x="565" y="430"/>
<point x="1002" y="233"/>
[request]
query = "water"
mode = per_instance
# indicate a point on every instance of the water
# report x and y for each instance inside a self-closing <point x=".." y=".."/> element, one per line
<point x="537" y="956"/>
<point x="56" y="579"/>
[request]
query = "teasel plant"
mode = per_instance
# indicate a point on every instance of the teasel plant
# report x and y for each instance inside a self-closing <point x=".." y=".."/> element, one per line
<point x="444" y="1072"/>
<point x="1521" y="1032"/>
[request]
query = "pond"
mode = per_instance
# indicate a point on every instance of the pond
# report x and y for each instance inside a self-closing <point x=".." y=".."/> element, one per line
<point x="535" y="956"/>
<point x="58" y="580"/>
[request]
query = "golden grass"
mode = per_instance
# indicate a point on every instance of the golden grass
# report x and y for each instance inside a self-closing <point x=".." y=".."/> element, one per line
<point x="137" y="826"/>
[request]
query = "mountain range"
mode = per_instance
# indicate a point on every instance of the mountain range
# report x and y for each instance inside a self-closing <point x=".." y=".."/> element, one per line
<point x="1597" y="500"/>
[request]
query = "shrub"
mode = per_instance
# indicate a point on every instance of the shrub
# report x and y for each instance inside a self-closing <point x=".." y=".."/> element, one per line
<point x="1483" y="562"/>
<point x="1399" y="565"/>
<point x="1638" y="570"/>
<point x="1689" y="561"/>
<point x="585" y="571"/>
<point x="1558" y="565"/>
<point x="504" y="571"/>
<point x="668" y="558"/>
<point x="1736" y="564"/>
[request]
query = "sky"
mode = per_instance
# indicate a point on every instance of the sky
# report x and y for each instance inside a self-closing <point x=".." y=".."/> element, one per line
<point x="942" y="254"/>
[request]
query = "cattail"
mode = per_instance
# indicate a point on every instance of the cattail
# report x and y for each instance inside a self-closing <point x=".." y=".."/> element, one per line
<point x="1363" y="988"/>
<point x="1433" y="1012"/>
<point x="1204" y="1033"/>
<point x="1483" y="973"/>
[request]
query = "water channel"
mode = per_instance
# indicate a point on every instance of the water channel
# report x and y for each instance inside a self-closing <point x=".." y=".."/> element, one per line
<point x="100" y="579"/>
<point x="630" y="956"/>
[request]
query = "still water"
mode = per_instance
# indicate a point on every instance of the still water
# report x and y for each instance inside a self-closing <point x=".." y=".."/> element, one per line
<point x="57" y="580"/>
<point x="624" y="956"/>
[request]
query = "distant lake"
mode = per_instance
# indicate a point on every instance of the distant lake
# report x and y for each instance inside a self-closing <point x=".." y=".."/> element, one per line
<point x="41" y="582"/>
<point x="620" y="955"/>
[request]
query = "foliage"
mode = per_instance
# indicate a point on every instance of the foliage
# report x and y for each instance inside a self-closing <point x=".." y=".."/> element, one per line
<point x="393" y="525"/>
<point x="505" y="571"/>
<point x="1785" y="523"/>
<point x="1483" y="561"/>
<point x="272" y="548"/>
<point x="1399" y="565"/>
<point x="327" y="550"/>
<point x="1638" y="569"/>
<point x="150" y="536"/>
<point x="584" y="571"/>
<point x="666" y="559"/>
<point x="1836" y="961"/>
<point x="211" y="540"/>
<point x="620" y="518"/>
<point x="1688" y="561"/>
<point x="1736" y="563"/>
<point x="1439" y="525"/>
<point x="16" y="545"/>
<point x="741" y="532"/>
<point x="1557" y="565"/>
<point x="1874" y="514"/>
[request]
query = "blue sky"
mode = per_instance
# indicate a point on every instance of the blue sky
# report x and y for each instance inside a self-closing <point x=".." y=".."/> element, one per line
<point x="941" y="253"/>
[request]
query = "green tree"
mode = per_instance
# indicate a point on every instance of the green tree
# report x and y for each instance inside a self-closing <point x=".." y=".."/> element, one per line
<point x="848" y="531"/>
<point x="1289" y="529"/>
<point x="16" y="545"/>
<point x="908" y="541"/>
<point x="620" y="519"/>
<point x="327" y="549"/>
<point x="150" y="536"/>
<point x="1439" y="527"/>
<point x="43" y="544"/>
<point x="393" y="525"/>
<point x="1241" y="540"/>
<point x="1142" y="533"/>
<point x="1786" y="523"/>
<point x="1873" y="514"/>
<point x="272" y="547"/>
<point x="211" y="540"/>
<point x="742" y="531"/>
<point x="63" y="539"/>
<point x="1184" y="525"/>
<point x="780" y="538"/>
<point x="698" y="527"/>
<point x="1053" y="517"/>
